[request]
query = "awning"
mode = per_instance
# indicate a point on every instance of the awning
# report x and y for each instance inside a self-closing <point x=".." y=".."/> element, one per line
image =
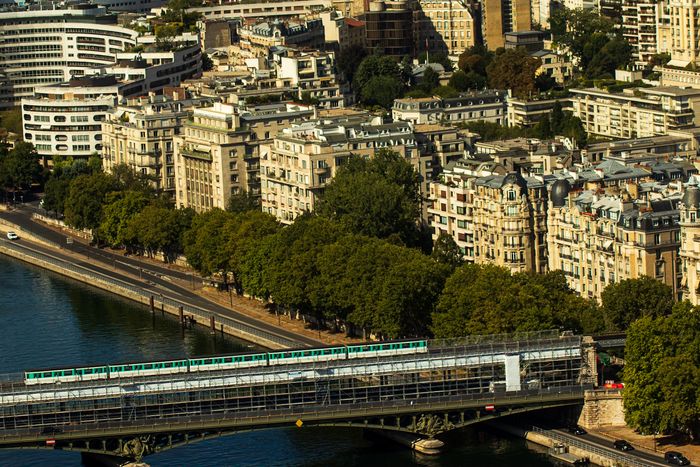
<point x="678" y="63"/>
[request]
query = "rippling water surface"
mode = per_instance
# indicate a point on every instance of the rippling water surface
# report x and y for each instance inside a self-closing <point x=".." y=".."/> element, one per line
<point x="47" y="321"/>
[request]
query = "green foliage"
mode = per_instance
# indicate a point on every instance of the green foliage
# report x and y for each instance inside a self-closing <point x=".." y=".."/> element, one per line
<point x="487" y="299"/>
<point x="662" y="373"/>
<point x="205" y="243"/>
<point x="659" y="59"/>
<point x="381" y="91"/>
<point x="378" y="81"/>
<point x="120" y="209"/>
<point x="590" y="38"/>
<point x="11" y="120"/>
<point x="19" y="168"/>
<point x="631" y="299"/>
<point x="514" y="69"/>
<point x="462" y="81"/>
<point x="446" y="251"/>
<point x="242" y="202"/>
<point x="156" y="228"/>
<point x="445" y="92"/>
<point x="475" y="59"/>
<point x="378" y="197"/>
<point x="84" y="205"/>
<point x="349" y="60"/>
<point x="429" y="81"/>
<point x="57" y="186"/>
<point x="437" y="57"/>
<point x="207" y="63"/>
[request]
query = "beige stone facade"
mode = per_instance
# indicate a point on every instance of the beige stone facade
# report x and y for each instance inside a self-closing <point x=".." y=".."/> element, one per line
<point x="635" y="113"/>
<point x="217" y="153"/>
<point x="303" y="158"/>
<point x="141" y="133"/>
<point x="598" y="240"/>
<point x="690" y="243"/>
<point x="444" y="25"/>
<point x="501" y="16"/>
<point x="498" y="219"/>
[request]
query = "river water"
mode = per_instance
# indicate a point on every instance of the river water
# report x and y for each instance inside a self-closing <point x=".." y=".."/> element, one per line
<point x="51" y="321"/>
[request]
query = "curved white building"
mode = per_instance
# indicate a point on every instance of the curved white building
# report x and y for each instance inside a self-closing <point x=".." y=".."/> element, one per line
<point x="50" y="46"/>
<point x="66" y="118"/>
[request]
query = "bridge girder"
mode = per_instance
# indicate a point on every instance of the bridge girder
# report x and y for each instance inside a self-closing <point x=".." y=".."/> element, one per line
<point x="417" y="420"/>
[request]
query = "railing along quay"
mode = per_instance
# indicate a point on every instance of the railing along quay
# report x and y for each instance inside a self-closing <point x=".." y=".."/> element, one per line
<point x="144" y="296"/>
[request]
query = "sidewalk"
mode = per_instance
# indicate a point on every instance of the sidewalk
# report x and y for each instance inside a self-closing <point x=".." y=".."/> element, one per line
<point x="658" y="444"/>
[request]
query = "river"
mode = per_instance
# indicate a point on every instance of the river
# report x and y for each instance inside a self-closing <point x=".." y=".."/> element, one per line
<point x="48" y="321"/>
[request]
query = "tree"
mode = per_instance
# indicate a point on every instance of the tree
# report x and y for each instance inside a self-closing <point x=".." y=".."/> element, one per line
<point x="614" y="54"/>
<point x="631" y="299"/>
<point x="514" y="69"/>
<point x="378" y="197"/>
<point x="437" y="57"/>
<point x="349" y="60"/>
<point x="574" y="28"/>
<point x="659" y="59"/>
<point x="429" y="81"/>
<point x="118" y="212"/>
<point x="375" y="65"/>
<point x="445" y="92"/>
<point x="86" y="198"/>
<point x="242" y="202"/>
<point x="205" y="244"/>
<point x="381" y="91"/>
<point x="662" y="373"/>
<point x="158" y="228"/>
<point x="207" y="63"/>
<point x="462" y="81"/>
<point x="11" y="120"/>
<point x="19" y="168"/>
<point x="557" y="118"/>
<point x="475" y="59"/>
<point x="446" y="251"/>
<point x="165" y="35"/>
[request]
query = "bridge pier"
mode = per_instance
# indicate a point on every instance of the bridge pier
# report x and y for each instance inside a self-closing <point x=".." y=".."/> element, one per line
<point x="91" y="459"/>
<point x="429" y="446"/>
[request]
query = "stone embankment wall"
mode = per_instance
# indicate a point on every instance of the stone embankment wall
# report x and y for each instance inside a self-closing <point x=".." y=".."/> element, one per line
<point x="602" y="408"/>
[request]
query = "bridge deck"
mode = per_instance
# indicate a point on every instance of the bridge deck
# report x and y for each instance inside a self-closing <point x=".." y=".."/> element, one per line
<point x="547" y="370"/>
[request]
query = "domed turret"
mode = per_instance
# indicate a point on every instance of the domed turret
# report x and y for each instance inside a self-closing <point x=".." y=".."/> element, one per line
<point x="691" y="198"/>
<point x="560" y="190"/>
<point x="514" y="178"/>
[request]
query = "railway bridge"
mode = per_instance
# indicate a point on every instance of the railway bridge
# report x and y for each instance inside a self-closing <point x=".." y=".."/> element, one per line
<point x="449" y="385"/>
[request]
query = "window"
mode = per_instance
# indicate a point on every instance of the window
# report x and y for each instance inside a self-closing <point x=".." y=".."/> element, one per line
<point x="511" y="195"/>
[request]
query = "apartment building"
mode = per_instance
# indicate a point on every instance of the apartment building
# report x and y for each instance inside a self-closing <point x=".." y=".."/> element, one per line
<point x="312" y="74"/>
<point x="599" y="239"/>
<point x="260" y="36"/>
<point x="501" y="16"/>
<point x="488" y="105"/>
<point x="493" y="218"/>
<point x="140" y="134"/>
<point x="389" y="27"/>
<point x="444" y="26"/>
<point x="41" y="47"/>
<point x="66" y="118"/>
<point x="342" y="32"/>
<point x="644" y="23"/>
<point x="262" y="9"/>
<point x="689" y="208"/>
<point x="636" y="151"/>
<point x="217" y="152"/>
<point x="528" y="113"/>
<point x="303" y="158"/>
<point x="635" y="113"/>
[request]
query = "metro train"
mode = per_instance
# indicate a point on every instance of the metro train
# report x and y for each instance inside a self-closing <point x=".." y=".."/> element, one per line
<point x="246" y="360"/>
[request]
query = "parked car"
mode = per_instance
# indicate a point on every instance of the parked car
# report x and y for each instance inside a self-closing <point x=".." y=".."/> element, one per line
<point x="676" y="458"/>
<point x="576" y="430"/>
<point x="622" y="445"/>
<point x="12" y="236"/>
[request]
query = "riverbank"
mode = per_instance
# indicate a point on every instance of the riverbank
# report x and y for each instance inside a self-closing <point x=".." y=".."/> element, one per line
<point x="578" y="448"/>
<point x="49" y="255"/>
